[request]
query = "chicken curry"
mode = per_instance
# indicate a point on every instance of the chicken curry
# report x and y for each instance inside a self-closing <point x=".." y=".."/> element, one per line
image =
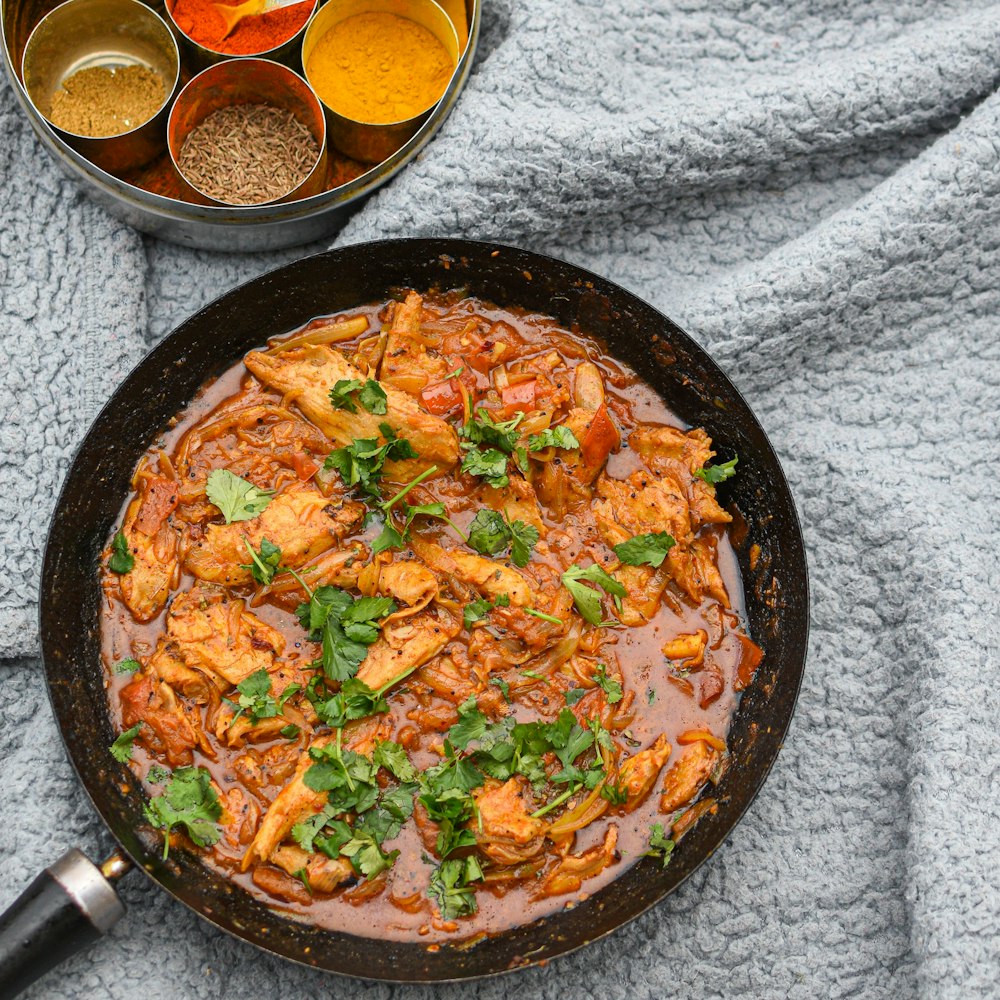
<point x="424" y="621"/>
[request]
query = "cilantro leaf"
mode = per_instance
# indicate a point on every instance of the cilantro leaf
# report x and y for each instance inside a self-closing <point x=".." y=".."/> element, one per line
<point x="370" y="395"/>
<point x="504" y="687"/>
<point x="490" y="532"/>
<point x="361" y="463"/>
<point x="290" y="731"/>
<point x="156" y="775"/>
<point x="121" y="560"/>
<point x="450" y="887"/>
<point x="127" y="666"/>
<point x="366" y="854"/>
<point x="264" y="565"/>
<point x="354" y="700"/>
<point x="236" y="498"/>
<point x="393" y="758"/>
<point x="648" y="550"/>
<point x="340" y="394"/>
<point x="573" y="695"/>
<point x="713" y="474"/>
<point x="660" y="846"/>
<point x="190" y="801"/>
<point x="586" y="599"/>
<point x="490" y="465"/>
<point x="121" y="749"/>
<point x="476" y="610"/>
<point x="255" y="697"/>
<point x="471" y="724"/>
<point x="553" y="437"/>
<point x="482" y="429"/>
<point x="612" y="689"/>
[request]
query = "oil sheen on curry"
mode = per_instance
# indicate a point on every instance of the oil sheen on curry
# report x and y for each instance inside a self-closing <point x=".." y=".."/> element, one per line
<point x="424" y="622"/>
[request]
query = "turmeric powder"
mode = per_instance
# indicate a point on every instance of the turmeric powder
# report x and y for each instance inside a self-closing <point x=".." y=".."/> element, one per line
<point x="379" y="68"/>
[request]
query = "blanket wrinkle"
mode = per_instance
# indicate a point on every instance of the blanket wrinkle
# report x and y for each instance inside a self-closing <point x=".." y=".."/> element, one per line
<point x="813" y="191"/>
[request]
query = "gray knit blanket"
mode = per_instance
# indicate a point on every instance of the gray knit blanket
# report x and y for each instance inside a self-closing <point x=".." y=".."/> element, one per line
<point x="810" y="187"/>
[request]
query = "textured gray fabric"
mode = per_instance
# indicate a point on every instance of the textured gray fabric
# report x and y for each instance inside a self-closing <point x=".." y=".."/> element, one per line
<point x="813" y="189"/>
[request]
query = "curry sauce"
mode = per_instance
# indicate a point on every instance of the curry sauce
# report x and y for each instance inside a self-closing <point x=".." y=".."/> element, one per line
<point x="430" y="620"/>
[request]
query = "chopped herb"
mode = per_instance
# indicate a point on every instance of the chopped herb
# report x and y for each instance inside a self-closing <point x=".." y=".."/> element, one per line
<point x="121" y="749"/>
<point x="236" y="498"/>
<point x="370" y="395"/>
<point x="651" y="695"/>
<point x="659" y="845"/>
<point x="362" y="462"/>
<point x="391" y="537"/>
<point x="533" y="675"/>
<point x="302" y="875"/>
<point x="445" y="793"/>
<point x="121" y="560"/>
<point x="573" y="695"/>
<point x="290" y="731"/>
<point x="255" y="698"/>
<point x="617" y="795"/>
<point x="553" y="437"/>
<point x="713" y="474"/>
<point x="586" y="599"/>
<point x="264" y="566"/>
<point x="127" y="666"/>
<point x="450" y="887"/>
<point x="458" y="371"/>
<point x="482" y="429"/>
<point x="490" y="465"/>
<point x="504" y="687"/>
<point x="476" y="610"/>
<point x="190" y="801"/>
<point x="156" y="775"/>
<point x="354" y="700"/>
<point x="491" y="532"/>
<point x="612" y="689"/>
<point x="541" y="614"/>
<point x="393" y="758"/>
<point x="649" y="550"/>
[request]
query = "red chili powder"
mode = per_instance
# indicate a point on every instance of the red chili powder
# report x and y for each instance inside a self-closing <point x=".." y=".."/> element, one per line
<point x="199" y="20"/>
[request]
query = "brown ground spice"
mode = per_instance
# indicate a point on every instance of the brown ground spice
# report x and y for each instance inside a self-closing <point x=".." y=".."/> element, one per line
<point x="103" y="101"/>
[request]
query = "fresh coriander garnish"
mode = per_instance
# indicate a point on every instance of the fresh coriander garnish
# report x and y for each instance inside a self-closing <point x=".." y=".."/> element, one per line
<point x="362" y="462"/>
<point x="490" y="465"/>
<point x="127" y="666"/>
<point x="504" y="687"/>
<point x="612" y="689"/>
<point x="256" y="698"/>
<point x="190" y="801"/>
<point x="553" y="437"/>
<point x="121" y="560"/>
<point x="157" y="774"/>
<point x="718" y="473"/>
<point x="573" y="695"/>
<point x="586" y="599"/>
<point x="500" y="440"/>
<point x="648" y="550"/>
<point x="236" y="498"/>
<point x="266" y="562"/>
<point x="290" y="731"/>
<point x="393" y="758"/>
<point x="651" y="695"/>
<point x="660" y="846"/>
<point x="450" y="887"/>
<point x="391" y="537"/>
<point x="491" y="532"/>
<point x="477" y="610"/>
<point x="535" y="613"/>
<point x="121" y="749"/>
<point x="370" y="395"/>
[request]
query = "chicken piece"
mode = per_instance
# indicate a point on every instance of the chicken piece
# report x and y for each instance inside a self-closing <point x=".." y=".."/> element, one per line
<point x="334" y="568"/>
<point x="167" y="728"/>
<point x="689" y="647"/>
<point x="668" y="451"/>
<point x="263" y="769"/>
<point x="407" y="364"/>
<point x="168" y="666"/>
<point x="505" y="831"/>
<point x="707" y="569"/>
<point x="638" y="774"/>
<point x="295" y="802"/>
<point x="408" y="582"/>
<point x="686" y="776"/>
<point x="406" y="645"/>
<point x="240" y="815"/>
<point x="518" y="501"/>
<point x="322" y="873"/>
<point x="638" y="506"/>
<point x="220" y="636"/>
<point x="569" y="874"/>
<point x="306" y="374"/>
<point x="488" y="576"/>
<point x="153" y="544"/>
<point x="300" y="521"/>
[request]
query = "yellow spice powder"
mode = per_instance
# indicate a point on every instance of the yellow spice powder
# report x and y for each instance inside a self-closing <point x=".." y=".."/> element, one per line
<point x="379" y="68"/>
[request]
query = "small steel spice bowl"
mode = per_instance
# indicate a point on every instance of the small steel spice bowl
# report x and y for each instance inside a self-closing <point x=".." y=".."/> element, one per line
<point x="200" y="56"/>
<point x="367" y="141"/>
<point x="83" y="34"/>
<point x="248" y="81"/>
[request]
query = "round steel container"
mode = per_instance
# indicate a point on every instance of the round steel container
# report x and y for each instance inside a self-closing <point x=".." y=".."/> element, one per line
<point x="266" y="227"/>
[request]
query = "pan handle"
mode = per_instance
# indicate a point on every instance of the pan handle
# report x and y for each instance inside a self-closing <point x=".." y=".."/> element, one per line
<point x="67" y="907"/>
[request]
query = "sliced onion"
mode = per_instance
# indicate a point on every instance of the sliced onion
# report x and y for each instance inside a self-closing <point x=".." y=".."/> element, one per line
<point x="332" y="333"/>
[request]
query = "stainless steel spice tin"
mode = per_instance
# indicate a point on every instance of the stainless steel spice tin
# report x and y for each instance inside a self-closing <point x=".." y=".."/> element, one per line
<point x="265" y="227"/>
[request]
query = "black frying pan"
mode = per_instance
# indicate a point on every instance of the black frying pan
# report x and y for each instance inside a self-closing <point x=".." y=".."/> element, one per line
<point x="72" y="902"/>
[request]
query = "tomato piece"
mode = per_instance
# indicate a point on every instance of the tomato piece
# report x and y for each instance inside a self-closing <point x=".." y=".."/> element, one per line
<point x="750" y="656"/>
<point x="442" y="397"/>
<point x="601" y="438"/>
<point x="518" y="397"/>
<point x="159" y="500"/>
<point x="305" y="468"/>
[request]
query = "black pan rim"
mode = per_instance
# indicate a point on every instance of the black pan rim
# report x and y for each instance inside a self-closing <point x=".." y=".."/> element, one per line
<point x="432" y="248"/>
